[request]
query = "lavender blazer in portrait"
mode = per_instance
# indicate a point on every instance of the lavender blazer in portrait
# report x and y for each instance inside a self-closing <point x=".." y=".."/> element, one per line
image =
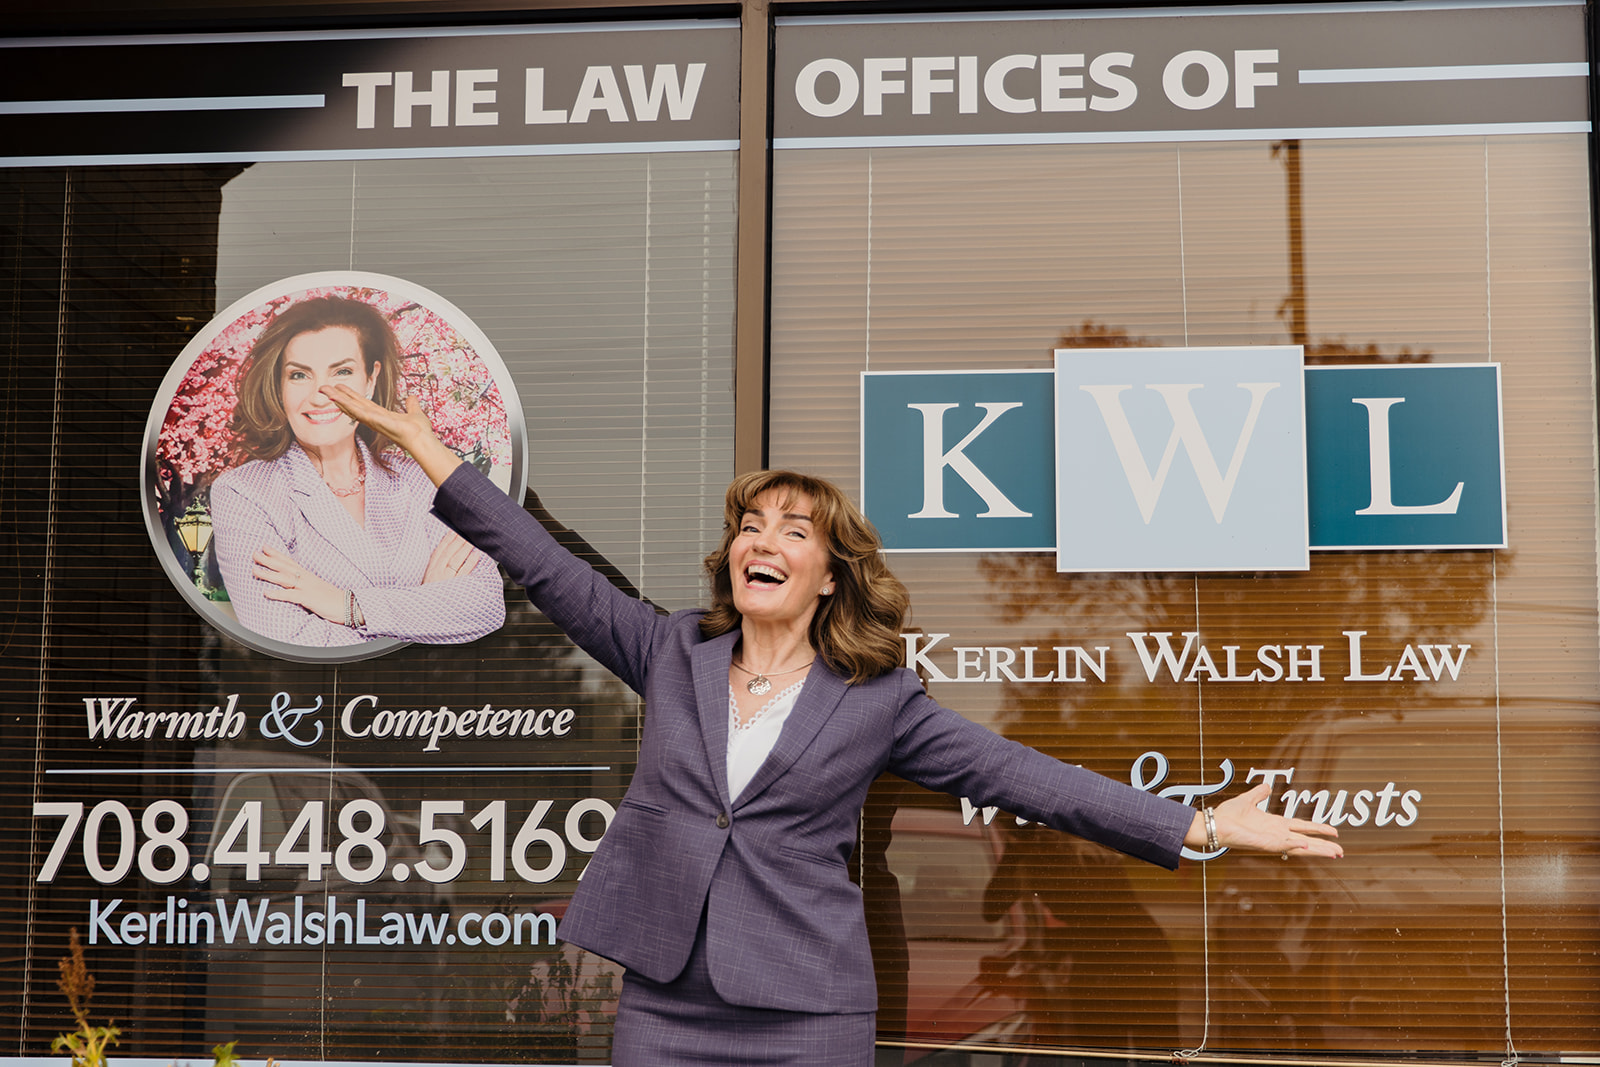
<point x="284" y="504"/>
<point x="784" y="924"/>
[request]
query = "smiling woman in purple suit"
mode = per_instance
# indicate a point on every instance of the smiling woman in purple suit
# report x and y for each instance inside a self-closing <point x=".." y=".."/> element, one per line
<point x="323" y="536"/>
<point x="722" y="885"/>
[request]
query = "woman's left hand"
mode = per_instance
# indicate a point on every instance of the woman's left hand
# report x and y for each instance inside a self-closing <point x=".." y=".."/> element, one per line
<point x="451" y="557"/>
<point x="293" y="584"/>
<point x="1243" y="826"/>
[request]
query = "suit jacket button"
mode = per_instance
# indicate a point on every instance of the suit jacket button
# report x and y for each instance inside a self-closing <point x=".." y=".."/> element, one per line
<point x="722" y="820"/>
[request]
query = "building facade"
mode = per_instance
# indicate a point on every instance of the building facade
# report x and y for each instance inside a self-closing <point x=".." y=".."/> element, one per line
<point x="1221" y="379"/>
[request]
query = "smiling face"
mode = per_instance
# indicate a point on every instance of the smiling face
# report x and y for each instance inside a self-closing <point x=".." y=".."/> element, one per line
<point x="778" y="562"/>
<point x="330" y="356"/>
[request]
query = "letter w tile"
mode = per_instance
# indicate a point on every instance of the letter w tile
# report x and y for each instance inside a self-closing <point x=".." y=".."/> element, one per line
<point x="1218" y="487"/>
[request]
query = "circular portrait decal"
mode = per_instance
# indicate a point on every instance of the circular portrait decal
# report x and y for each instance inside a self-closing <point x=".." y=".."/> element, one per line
<point x="285" y="523"/>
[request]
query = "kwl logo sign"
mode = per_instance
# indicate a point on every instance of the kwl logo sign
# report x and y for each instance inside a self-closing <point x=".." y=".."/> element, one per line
<point x="1185" y="459"/>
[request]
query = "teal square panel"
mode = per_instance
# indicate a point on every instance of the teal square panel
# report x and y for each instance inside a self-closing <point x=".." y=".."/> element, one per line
<point x="1406" y="456"/>
<point x="959" y="461"/>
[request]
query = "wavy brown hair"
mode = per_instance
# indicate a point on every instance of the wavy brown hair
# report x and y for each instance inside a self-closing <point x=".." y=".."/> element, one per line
<point x="857" y="629"/>
<point x="260" y="425"/>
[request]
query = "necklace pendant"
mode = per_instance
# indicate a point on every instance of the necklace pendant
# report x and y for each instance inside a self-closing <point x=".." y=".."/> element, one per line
<point x="759" y="685"/>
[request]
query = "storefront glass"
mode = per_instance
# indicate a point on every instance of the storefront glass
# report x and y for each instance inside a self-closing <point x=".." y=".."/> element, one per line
<point x="1006" y="249"/>
<point x="317" y="852"/>
<point x="1437" y="705"/>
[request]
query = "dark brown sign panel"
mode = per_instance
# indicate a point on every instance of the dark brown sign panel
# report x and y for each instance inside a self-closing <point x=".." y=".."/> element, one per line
<point x="1228" y="73"/>
<point x="248" y="97"/>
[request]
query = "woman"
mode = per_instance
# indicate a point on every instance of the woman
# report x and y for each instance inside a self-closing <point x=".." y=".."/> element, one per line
<point x="722" y="883"/>
<point x="323" y="537"/>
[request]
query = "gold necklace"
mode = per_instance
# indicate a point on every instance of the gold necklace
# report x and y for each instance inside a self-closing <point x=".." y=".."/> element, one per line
<point x="760" y="683"/>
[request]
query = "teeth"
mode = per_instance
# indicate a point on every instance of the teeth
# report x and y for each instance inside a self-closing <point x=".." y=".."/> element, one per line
<point x="323" y="416"/>
<point x="763" y="570"/>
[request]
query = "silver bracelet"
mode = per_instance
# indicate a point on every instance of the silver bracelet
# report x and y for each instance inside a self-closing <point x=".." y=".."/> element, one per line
<point x="1212" y="844"/>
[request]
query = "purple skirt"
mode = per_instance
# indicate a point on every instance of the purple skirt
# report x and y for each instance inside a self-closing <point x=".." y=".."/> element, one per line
<point x="686" y="1022"/>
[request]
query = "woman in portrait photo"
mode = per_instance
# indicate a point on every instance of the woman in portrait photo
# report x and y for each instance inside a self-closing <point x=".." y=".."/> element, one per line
<point x="323" y="535"/>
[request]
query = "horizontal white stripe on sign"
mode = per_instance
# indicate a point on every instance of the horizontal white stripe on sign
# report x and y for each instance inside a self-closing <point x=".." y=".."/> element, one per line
<point x="1307" y="133"/>
<point x="161" y="103"/>
<point x="1466" y="72"/>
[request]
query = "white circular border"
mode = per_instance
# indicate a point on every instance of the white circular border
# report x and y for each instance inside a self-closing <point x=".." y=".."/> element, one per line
<point x="181" y="579"/>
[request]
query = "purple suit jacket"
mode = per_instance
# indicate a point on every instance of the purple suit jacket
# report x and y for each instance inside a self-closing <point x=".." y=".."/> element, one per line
<point x="284" y="504"/>
<point x="784" y="923"/>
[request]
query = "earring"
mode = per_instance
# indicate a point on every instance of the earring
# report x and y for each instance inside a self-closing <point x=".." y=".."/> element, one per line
<point x="827" y="590"/>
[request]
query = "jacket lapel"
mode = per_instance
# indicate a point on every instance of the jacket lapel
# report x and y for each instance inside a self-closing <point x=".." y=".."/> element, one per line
<point x="819" y="698"/>
<point x="711" y="660"/>
<point x="327" y="516"/>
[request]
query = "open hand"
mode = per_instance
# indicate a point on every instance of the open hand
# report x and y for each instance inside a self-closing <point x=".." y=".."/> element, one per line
<point x="402" y="426"/>
<point x="1241" y="825"/>
<point x="408" y="427"/>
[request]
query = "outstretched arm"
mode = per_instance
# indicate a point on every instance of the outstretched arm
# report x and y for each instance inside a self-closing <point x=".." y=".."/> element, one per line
<point x="605" y="622"/>
<point x="614" y="628"/>
<point x="943" y="750"/>
<point x="411" y="429"/>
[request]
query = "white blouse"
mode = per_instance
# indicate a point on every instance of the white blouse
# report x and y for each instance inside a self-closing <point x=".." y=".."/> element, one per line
<point x="750" y="742"/>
